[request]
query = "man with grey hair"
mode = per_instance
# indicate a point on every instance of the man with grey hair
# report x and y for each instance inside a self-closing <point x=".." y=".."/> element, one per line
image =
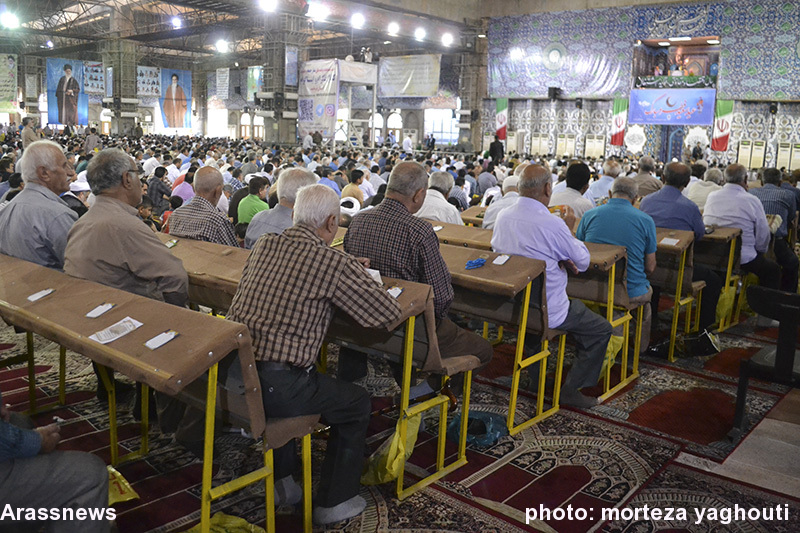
<point x="602" y="187"/>
<point x="279" y="218"/>
<point x="400" y="245"/>
<point x="200" y="219"/>
<point x="646" y="182"/>
<point x="620" y="223"/>
<point x="712" y="182"/>
<point x="528" y="228"/>
<point x="436" y="207"/>
<point x="288" y="320"/>
<point x="733" y="207"/>
<point x="510" y="197"/>
<point x="34" y="225"/>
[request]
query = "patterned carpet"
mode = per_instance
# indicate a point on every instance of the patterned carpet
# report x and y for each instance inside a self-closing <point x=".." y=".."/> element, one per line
<point x="616" y="455"/>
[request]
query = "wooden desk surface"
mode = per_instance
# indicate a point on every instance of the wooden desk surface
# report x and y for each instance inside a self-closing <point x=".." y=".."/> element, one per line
<point x="505" y="280"/>
<point x="721" y="235"/>
<point x="466" y="236"/>
<point x="202" y="340"/>
<point x="473" y="215"/>
<point x="684" y="238"/>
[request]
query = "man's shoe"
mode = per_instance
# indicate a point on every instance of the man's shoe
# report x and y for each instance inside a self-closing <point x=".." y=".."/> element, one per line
<point x="347" y="509"/>
<point x="574" y="398"/>
<point x="704" y="344"/>
<point x="287" y="492"/>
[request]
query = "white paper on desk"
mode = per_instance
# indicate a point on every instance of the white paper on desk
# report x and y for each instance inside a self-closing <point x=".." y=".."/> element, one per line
<point x="161" y="339"/>
<point x="99" y="310"/>
<point x="115" y="331"/>
<point x="437" y="228"/>
<point x="39" y="295"/>
<point x="666" y="241"/>
<point x="394" y="292"/>
<point x="375" y="275"/>
<point x="500" y="259"/>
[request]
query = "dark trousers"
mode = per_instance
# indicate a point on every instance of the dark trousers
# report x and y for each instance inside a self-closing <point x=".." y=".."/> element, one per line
<point x="788" y="262"/>
<point x="343" y="406"/>
<point x="708" y="299"/>
<point x="591" y="333"/>
<point x="453" y="342"/>
<point x="768" y="272"/>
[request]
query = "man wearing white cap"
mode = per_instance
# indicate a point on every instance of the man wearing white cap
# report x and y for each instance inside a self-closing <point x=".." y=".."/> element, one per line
<point x="76" y="196"/>
<point x="509" y="198"/>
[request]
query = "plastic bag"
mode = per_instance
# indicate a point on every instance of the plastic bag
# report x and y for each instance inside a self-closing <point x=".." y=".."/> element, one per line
<point x="119" y="490"/>
<point x="386" y="463"/>
<point x="613" y="348"/>
<point x="223" y="523"/>
<point x="725" y="305"/>
<point x="483" y="429"/>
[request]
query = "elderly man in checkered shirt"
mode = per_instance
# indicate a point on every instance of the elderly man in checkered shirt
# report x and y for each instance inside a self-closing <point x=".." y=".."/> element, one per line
<point x="200" y="219"/>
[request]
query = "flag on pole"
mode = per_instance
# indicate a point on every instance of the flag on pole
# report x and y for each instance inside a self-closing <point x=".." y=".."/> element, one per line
<point x="722" y="125"/>
<point x="501" y="118"/>
<point x="619" y="119"/>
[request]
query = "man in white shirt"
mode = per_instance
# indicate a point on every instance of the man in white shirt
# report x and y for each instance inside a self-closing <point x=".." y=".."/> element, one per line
<point x="151" y="164"/>
<point x="510" y="197"/>
<point x="308" y="142"/>
<point x="408" y="145"/>
<point x="733" y="207"/>
<point x="712" y="182"/>
<point x="365" y="186"/>
<point x="528" y="228"/>
<point x="577" y="181"/>
<point x="173" y="170"/>
<point x="602" y="187"/>
<point x="436" y="206"/>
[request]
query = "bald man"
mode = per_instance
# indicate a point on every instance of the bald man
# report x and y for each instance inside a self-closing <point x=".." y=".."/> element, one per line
<point x="200" y="219"/>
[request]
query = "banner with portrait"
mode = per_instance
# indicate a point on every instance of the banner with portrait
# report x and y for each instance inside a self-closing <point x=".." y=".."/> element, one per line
<point x="8" y="85"/>
<point x="176" y="99"/>
<point x="94" y="78"/>
<point x="254" y="77"/>
<point x="67" y="103"/>
<point x="319" y="97"/>
<point x="148" y="81"/>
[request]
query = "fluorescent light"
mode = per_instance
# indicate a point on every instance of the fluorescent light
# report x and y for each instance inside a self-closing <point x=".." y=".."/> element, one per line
<point x="447" y="39"/>
<point x="393" y="28"/>
<point x="222" y="46"/>
<point x="713" y="41"/>
<point x="675" y="39"/>
<point x="664" y="43"/>
<point x="387" y="42"/>
<point x="49" y="44"/>
<point x="419" y="34"/>
<point x="268" y="5"/>
<point x="481" y="36"/>
<point x="176" y="23"/>
<point x="317" y="11"/>
<point x="516" y="53"/>
<point x="9" y="20"/>
<point x="357" y="21"/>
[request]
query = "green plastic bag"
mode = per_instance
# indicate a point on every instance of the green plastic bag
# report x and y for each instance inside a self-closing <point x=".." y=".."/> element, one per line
<point x="386" y="463"/>
<point x="223" y="523"/>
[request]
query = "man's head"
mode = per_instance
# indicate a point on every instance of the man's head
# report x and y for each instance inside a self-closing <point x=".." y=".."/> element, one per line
<point x="145" y="207"/>
<point x="407" y="184"/>
<point x="258" y="186"/>
<point x="737" y="174"/>
<point x="511" y="184"/>
<point x="44" y="163"/>
<point x="714" y="175"/>
<point x="677" y="175"/>
<point x="6" y="165"/>
<point x="208" y="184"/>
<point x="772" y="176"/>
<point x="356" y="177"/>
<point x="113" y="173"/>
<point x="317" y="208"/>
<point x="174" y="79"/>
<point x="647" y="164"/>
<point x="578" y="175"/>
<point x="536" y="182"/>
<point x="625" y="188"/>
<point x="68" y="70"/>
<point x="442" y="182"/>
<point x="612" y="168"/>
<point x="160" y="172"/>
<point x="292" y="180"/>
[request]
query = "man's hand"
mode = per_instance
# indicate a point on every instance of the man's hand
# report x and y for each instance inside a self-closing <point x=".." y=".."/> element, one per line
<point x="568" y="216"/>
<point x="364" y="261"/>
<point x="5" y="413"/>
<point x="568" y="265"/>
<point x="50" y="437"/>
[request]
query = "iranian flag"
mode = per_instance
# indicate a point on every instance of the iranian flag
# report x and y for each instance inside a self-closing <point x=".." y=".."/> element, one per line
<point x="722" y="125"/>
<point x="618" y="121"/>
<point x="501" y="118"/>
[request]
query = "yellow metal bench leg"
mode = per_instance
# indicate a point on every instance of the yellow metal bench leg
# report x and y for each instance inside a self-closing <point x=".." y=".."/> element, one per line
<point x="696" y="327"/>
<point x="322" y="364"/>
<point x="408" y="346"/>
<point x="269" y="489"/>
<point x="518" y="355"/>
<point x="676" y="308"/>
<point x="145" y="422"/>
<point x="112" y="413"/>
<point x="208" y="451"/>
<point x="31" y="372"/>
<point x="62" y="375"/>
<point x="307" y="484"/>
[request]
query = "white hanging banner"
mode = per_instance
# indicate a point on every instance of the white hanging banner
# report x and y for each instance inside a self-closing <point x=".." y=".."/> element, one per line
<point x="362" y="73"/>
<point x="409" y="76"/>
<point x="318" y="99"/>
<point x="223" y="82"/>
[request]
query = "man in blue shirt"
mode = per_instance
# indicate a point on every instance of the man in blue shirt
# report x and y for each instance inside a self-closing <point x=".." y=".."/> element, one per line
<point x="778" y="201"/>
<point x="619" y="223"/>
<point x="670" y="209"/>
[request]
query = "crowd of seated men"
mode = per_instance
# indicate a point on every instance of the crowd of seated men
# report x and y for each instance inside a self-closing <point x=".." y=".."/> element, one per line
<point x="93" y="213"/>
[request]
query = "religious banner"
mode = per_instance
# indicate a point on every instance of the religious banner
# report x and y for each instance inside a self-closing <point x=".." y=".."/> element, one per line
<point x="109" y="82"/>
<point x="722" y="125"/>
<point x="254" y="76"/>
<point x="93" y="78"/>
<point x="619" y="119"/>
<point x="177" y="97"/>
<point x="319" y="97"/>
<point x="67" y="103"/>
<point x="223" y="82"/>
<point x="409" y="76"/>
<point x="31" y="86"/>
<point x="148" y="81"/>
<point x="501" y="118"/>
<point x="8" y="85"/>
<point x="290" y="65"/>
<point x="674" y="107"/>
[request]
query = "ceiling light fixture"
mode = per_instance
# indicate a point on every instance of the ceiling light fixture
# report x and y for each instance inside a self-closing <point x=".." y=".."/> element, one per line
<point x="177" y="23"/>
<point x="49" y="44"/>
<point x="357" y="21"/>
<point x="447" y="39"/>
<point x="516" y="53"/>
<point x="9" y="20"/>
<point x="393" y="29"/>
<point x="268" y="5"/>
<point x="676" y="39"/>
<point x="419" y="34"/>
<point x="317" y="11"/>
<point x="664" y="43"/>
<point x="713" y="41"/>
<point x="222" y="46"/>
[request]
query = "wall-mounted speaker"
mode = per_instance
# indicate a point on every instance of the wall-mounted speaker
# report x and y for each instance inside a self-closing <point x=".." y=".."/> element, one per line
<point x="475" y="115"/>
<point x="773" y="108"/>
<point x="579" y="103"/>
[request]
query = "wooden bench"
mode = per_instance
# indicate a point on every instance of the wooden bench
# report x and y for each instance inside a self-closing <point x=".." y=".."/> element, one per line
<point x="473" y="216"/>
<point x="721" y="250"/>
